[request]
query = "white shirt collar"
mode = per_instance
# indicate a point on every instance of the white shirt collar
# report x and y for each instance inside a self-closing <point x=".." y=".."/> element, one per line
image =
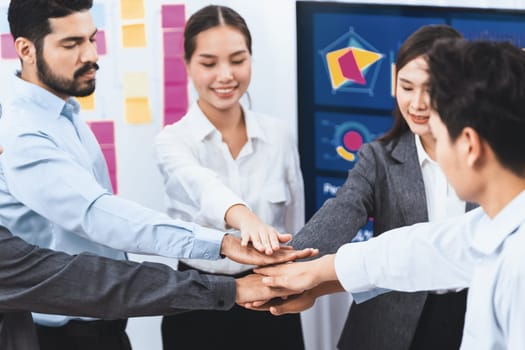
<point x="491" y="234"/>
<point x="203" y="127"/>
<point x="422" y="155"/>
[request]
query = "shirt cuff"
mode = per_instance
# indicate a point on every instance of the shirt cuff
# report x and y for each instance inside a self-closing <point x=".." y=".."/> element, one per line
<point x="350" y="268"/>
<point x="361" y="297"/>
<point x="207" y="243"/>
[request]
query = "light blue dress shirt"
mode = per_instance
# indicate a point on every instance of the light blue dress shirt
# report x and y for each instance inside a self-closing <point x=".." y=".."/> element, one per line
<point x="55" y="190"/>
<point x="475" y="251"/>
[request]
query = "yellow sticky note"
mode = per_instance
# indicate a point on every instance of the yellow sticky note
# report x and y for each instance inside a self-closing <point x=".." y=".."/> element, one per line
<point x="135" y="84"/>
<point x="87" y="103"/>
<point x="132" y="9"/>
<point x="133" y="35"/>
<point x="137" y="110"/>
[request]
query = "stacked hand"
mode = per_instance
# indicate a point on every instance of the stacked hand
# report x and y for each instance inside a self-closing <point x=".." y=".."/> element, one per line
<point x="280" y="285"/>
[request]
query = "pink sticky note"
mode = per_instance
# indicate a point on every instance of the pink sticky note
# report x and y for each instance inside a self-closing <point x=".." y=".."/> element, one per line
<point x="111" y="157"/>
<point x="173" y="43"/>
<point x="104" y="131"/>
<point x="8" y="46"/>
<point x="173" y="16"/>
<point x="175" y="71"/>
<point x="173" y="115"/>
<point x="175" y="102"/>
<point x="114" y="184"/>
<point x="101" y="42"/>
<point x="176" y="97"/>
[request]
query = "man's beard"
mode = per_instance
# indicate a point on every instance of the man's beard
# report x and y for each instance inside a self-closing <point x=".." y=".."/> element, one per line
<point x="64" y="85"/>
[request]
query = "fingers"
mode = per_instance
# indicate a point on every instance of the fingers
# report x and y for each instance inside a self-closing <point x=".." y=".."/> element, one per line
<point x="259" y="304"/>
<point x="263" y="305"/>
<point x="257" y="244"/>
<point x="265" y="242"/>
<point x="264" y="239"/>
<point x="270" y="281"/>
<point x="277" y="310"/>
<point x="274" y="240"/>
<point x="245" y="239"/>
<point x="306" y="253"/>
<point x="284" y="237"/>
<point x="268" y="271"/>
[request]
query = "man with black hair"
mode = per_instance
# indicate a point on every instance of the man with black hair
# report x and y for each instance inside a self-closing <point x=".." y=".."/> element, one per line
<point x="55" y="190"/>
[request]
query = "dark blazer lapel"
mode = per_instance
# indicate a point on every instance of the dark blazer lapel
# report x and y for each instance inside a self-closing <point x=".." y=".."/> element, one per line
<point x="407" y="180"/>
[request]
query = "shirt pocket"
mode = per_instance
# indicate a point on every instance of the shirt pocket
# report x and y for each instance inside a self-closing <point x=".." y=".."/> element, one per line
<point x="277" y="197"/>
<point x="277" y="193"/>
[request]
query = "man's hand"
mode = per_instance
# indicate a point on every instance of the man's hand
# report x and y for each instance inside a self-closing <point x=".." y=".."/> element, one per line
<point x="300" y="275"/>
<point x="280" y="306"/>
<point x="296" y="303"/>
<point x="251" y="288"/>
<point x="232" y="248"/>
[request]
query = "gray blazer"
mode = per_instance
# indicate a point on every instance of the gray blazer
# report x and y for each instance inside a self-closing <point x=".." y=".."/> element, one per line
<point x="42" y="280"/>
<point x="386" y="184"/>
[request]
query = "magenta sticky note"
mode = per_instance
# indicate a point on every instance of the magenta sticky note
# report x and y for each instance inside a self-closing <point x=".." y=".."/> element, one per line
<point x="111" y="157"/>
<point x="175" y="102"/>
<point x="173" y="43"/>
<point x="8" y="46"/>
<point x="175" y="71"/>
<point x="101" y="42"/>
<point x="104" y="131"/>
<point x="173" y="115"/>
<point x="114" y="184"/>
<point x="176" y="96"/>
<point x="173" y="16"/>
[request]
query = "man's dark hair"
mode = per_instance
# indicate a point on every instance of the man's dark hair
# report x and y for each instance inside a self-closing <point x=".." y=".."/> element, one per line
<point x="30" y="18"/>
<point x="481" y="84"/>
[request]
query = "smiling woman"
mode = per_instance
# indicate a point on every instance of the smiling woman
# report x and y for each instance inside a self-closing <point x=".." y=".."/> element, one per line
<point x="227" y="167"/>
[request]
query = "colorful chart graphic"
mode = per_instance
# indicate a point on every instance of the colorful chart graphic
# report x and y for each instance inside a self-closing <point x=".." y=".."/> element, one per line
<point x="354" y="67"/>
<point x="349" y="64"/>
<point x="340" y="136"/>
<point x="348" y="138"/>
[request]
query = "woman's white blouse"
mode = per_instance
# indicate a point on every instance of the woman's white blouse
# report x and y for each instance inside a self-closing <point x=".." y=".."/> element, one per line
<point x="203" y="180"/>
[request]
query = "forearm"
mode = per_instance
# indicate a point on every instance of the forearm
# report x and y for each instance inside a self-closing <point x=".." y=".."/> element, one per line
<point x="127" y="226"/>
<point x="325" y="288"/>
<point x="236" y="214"/>
<point x="42" y="280"/>
<point x="405" y="259"/>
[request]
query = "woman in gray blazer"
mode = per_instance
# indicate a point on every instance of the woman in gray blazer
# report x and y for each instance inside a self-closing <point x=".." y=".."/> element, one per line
<point x="396" y="182"/>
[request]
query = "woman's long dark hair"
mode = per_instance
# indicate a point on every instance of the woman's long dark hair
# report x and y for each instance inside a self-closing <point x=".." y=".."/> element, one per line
<point x="209" y="17"/>
<point x="416" y="45"/>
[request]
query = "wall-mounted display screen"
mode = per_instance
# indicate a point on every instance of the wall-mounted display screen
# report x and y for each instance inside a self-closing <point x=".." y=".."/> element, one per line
<point x="346" y="62"/>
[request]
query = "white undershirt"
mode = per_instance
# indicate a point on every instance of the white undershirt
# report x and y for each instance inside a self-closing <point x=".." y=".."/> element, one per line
<point x="442" y="200"/>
